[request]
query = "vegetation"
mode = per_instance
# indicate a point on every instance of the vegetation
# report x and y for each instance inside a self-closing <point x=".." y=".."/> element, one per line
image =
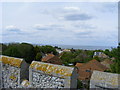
<point x="115" y="68"/>
<point x="81" y="56"/>
<point x="27" y="51"/>
<point x="30" y="53"/>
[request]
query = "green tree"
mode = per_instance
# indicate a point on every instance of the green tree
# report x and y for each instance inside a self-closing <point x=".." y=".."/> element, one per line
<point x="96" y="58"/>
<point x="38" y="57"/>
<point x="12" y="51"/>
<point x="23" y="50"/>
<point x="48" y="49"/>
<point x="115" y="68"/>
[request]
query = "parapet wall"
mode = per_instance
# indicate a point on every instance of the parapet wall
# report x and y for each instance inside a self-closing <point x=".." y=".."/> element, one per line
<point x="45" y="75"/>
<point x="10" y="71"/>
<point x="41" y="75"/>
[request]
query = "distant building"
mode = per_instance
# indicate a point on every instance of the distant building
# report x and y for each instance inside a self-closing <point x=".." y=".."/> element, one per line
<point x="100" y="54"/>
<point x="46" y="75"/>
<point x="13" y="71"/>
<point x="104" y="81"/>
<point x="86" y="69"/>
<point x="50" y="58"/>
<point x="59" y="50"/>
<point x="66" y="50"/>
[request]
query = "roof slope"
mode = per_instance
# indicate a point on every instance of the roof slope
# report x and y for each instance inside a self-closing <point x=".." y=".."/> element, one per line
<point x="107" y="62"/>
<point x="79" y="64"/>
<point x="85" y="70"/>
<point x="49" y="56"/>
<point x="94" y="65"/>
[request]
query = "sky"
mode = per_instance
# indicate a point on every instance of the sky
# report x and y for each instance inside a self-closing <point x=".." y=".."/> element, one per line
<point x="64" y="23"/>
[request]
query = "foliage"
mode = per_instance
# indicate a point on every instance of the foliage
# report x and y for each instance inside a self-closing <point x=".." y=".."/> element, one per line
<point x="76" y="56"/>
<point x="48" y="49"/>
<point x="38" y="56"/>
<point x="96" y="58"/>
<point x="79" y="84"/>
<point x="23" y="50"/>
<point x="115" y="68"/>
<point x="27" y="51"/>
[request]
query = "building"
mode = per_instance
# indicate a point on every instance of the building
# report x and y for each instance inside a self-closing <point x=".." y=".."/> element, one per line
<point x="100" y="54"/>
<point x="13" y="71"/>
<point x="107" y="63"/>
<point x="50" y="58"/>
<point x="59" y="50"/>
<point x="86" y="69"/>
<point x="66" y="50"/>
<point x="46" y="75"/>
<point x="104" y="81"/>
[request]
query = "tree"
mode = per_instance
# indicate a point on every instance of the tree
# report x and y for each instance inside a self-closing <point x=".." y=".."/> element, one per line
<point x="38" y="57"/>
<point x="115" y="68"/>
<point x="23" y="50"/>
<point x="48" y="49"/>
<point x="27" y="52"/>
<point x="12" y="51"/>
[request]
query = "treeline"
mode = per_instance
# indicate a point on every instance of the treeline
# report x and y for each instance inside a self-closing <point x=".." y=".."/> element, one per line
<point x="27" y="51"/>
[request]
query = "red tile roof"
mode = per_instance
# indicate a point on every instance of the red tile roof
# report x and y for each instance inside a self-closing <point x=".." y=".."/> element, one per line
<point x="79" y="64"/>
<point x="89" y="66"/>
<point x="50" y="58"/>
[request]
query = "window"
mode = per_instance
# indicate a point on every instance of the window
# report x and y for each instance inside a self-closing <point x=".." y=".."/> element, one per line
<point x="88" y="70"/>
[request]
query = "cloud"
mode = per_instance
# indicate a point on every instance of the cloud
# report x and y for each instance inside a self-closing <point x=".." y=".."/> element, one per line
<point x="72" y="8"/>
<point x="48" y="27"/>
<point x="41" y="27"/>
<point x="77" y="17"/>
<point x="12" y="28"/>
<point x="84" y="26"/>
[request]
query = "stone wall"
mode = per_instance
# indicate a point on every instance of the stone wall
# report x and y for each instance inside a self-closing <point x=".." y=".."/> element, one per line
<point x="41" y="75"/>
<point x="11" y="72"/>
<point x="104" y="80"/>
<point x="45" y="75"/>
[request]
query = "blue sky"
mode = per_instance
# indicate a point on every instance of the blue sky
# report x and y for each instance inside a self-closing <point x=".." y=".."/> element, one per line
<point x="83" y="23"/>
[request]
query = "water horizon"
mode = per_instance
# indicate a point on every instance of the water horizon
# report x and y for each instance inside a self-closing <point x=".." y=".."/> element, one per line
<point x="83" y="47"/>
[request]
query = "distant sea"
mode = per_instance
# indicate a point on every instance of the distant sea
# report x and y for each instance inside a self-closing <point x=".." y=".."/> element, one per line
<point x="85" y="47"/>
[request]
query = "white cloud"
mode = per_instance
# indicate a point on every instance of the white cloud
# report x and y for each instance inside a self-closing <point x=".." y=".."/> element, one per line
<point x="12" y="28"/>
<point x="72" y="8"/>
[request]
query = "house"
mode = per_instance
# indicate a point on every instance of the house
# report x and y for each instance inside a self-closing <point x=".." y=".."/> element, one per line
<point x="59" y="50"/>
<point x="104" y="81"/>
<point x="107" y="63"/>
<point x="100" y="54"/>
<point x="66" y="50"/>
<point x="50" y="58"/>
<point x="86" y="69"/>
